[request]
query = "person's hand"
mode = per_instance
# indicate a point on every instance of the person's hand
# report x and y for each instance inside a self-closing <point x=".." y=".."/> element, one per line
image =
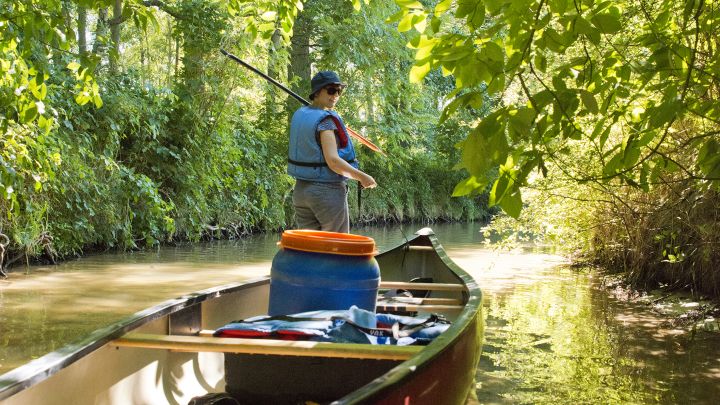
<point x="366" y="181"/>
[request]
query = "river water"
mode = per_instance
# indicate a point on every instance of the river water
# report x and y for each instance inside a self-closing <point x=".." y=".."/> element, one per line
<point x="553" y="334"/>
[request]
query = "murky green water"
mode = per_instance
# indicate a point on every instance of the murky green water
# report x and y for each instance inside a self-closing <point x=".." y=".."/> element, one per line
<point x="553" y="334"/>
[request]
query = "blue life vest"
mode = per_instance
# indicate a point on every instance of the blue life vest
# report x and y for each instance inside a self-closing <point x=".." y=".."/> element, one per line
<point x="305" y="157"/>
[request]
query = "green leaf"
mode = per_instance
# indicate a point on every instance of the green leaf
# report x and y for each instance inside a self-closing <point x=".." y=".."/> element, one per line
<point x="520" y="121"/>
<point x="411" y="4"/>
<point x="443" y="6"/>
<point x="589" y="101"/>
<point x="505" y="191"/>
<point x="406" y="23"/>
<point x="612" y="167"/>
<point x="477" y="17"/>
<point x="435" y="23"/>
<point x="663" y="113"/>
<point x="607" y="23"/>
<point x="543" y="98"/>
<point x="554" y="41"/>
<point x="29" y="112"/>
<point x="511" y="203"/>
<point x="417" y="73"/>
<point x="497" y="84"/>
<point x="395" y="17"/>
<point x="97" y="100"/>
<point x="45" y="124"/>
<point x="471" y="185"/>
<point x="473" y="10"/>
<point x="631" y="154"/>
<point x="419" y="22"/>
<point x="540" y="62"/>
<point x="709" y="159"/>
<point x="493" y="52"/>
<point x="558" y="6"/>
<point x="450" y="109"/>
<point x="581" y="26"/>
<point x="485" y="147"/>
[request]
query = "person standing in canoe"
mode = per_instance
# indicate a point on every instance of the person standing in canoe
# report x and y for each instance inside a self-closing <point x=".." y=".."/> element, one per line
<point x="322" y="158"/>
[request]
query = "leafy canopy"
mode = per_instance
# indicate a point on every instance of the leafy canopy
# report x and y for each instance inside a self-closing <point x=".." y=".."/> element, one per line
<point x="618" y="76"/>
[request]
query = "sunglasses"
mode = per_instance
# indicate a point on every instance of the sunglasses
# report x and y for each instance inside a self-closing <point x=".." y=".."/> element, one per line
<point x="332" y="90"/>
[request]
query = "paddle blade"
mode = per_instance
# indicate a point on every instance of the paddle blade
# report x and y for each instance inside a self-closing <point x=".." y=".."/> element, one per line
<point x="365" y="141"/>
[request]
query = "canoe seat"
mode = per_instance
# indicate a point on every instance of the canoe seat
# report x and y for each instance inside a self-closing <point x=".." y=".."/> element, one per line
<point x="266" y="346"/>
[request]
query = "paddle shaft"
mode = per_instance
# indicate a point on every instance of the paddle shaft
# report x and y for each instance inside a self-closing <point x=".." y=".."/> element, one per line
<point x="266" y="77"/>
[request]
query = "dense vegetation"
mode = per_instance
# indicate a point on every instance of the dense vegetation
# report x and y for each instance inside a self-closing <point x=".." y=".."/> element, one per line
<point x="123" y="126"/>
<point x="607" y="119"/>
<point x="593" y="123"/>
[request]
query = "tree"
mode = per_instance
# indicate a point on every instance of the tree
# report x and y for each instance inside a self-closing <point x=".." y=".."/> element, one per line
<point x="623" y="77"/>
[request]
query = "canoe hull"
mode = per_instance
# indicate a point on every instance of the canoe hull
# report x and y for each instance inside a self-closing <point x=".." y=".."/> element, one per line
<point x="98" y="371"/>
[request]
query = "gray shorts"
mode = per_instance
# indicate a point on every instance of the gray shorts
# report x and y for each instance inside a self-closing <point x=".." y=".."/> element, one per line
<point x="321" y="206"/>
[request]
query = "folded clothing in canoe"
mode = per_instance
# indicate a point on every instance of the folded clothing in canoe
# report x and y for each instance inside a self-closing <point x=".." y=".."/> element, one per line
<point x="354" y="325"/>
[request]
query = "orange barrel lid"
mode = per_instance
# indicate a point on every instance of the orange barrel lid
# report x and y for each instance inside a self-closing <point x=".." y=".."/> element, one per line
<point x="328" y="242"/>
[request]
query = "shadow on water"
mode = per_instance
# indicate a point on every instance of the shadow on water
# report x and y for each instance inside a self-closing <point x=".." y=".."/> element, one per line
<point x="553" y="335"/>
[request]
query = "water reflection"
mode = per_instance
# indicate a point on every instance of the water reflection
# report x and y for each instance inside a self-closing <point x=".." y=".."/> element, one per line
<point x="553" y="334"/>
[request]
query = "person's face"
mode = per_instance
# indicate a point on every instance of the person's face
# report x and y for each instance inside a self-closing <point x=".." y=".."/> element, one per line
<point x="328" y="96"/>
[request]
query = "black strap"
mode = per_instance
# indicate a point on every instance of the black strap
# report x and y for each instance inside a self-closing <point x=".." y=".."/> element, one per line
<point x="307" y="164"/>
<point x="359" y="198"/>
<point x="314" y="164"/>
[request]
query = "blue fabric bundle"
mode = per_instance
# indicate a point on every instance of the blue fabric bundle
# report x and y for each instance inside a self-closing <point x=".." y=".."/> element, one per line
<point x="354" y="325"/>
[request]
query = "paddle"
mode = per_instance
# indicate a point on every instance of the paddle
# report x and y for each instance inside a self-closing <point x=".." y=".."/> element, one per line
<point x="352" y="132"/>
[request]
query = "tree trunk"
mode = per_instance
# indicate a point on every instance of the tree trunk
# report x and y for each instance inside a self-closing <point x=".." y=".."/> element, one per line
<point x="101" y="28"/>
<point x="272" y="95"/>
<point x="82" y="30"/>
<point x="370" y="102"/>
<point x="169" y="53"/>
<point x="115" y="36"/>
<point x="177" y="57"/>
<point x="299" y="69"/>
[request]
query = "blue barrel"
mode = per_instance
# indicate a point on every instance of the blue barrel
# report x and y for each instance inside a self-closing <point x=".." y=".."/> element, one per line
<point x="317" y="270"/>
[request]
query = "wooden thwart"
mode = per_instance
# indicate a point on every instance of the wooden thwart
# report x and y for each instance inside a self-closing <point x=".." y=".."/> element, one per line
<point x="389" y="285"/>
<point x="266" y="346"/>
<point x="417" y="301"/>
<point x="421" y="248"/>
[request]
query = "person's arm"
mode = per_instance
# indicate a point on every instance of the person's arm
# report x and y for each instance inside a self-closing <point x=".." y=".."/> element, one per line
<point x="340" y="166"/>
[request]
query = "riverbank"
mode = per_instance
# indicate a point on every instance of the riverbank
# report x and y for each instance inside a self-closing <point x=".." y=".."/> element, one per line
<point x="680" y="309"/>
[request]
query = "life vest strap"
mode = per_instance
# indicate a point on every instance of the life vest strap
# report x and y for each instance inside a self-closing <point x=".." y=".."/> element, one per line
<point x="314" y="164"/>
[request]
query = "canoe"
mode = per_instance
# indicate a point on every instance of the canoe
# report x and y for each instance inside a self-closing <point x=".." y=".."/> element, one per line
<point x="167" y="355"/>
